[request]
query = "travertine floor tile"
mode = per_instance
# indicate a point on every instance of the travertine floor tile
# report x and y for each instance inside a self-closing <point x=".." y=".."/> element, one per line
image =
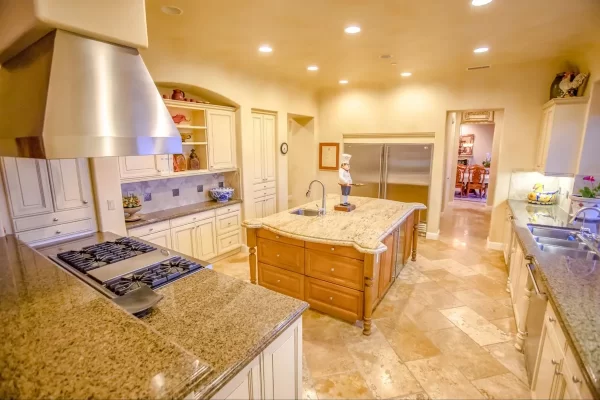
<point x="491" y="271"/>
<point x="426" y="318"/>
<point x="483" y="305"/>
<point x="489" y="287"/>
<point x="441" y="380"/>
<point x="505" y="386"/>
<point x="447" y="280"/>
<point x="406" y="339"/>
<point x="327" y="357"/>
<point x="455" y="268"/>
<point x="513" y="360"/>
<point x="415" y="396"/>
<point x="478" y="328"/>
<point x="466" y="355"/>
<point x="349" y="385"/>
<point x="434" y="296"/>
<point x="411" y="275"/>
<point x="383" y="371"/>
<point x="308" y="387"/>
<point x="506" y="325"/>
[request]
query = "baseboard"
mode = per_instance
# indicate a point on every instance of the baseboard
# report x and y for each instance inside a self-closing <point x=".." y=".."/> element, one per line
<point x="245" y="249"/>
<point x="433" y="235"/>
<point x="494" y="245"/>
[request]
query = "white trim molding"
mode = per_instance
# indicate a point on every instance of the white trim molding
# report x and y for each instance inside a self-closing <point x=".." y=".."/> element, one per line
<point x="433" y="235"/>
<point x="494" y="245"/>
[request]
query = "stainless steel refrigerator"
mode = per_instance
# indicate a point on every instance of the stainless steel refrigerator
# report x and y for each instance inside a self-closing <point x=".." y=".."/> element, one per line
<point x="400" y="172"/>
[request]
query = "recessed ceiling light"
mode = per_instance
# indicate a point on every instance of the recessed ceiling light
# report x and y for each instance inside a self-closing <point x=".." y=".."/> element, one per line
<point x="478" y="3"/>
<point x="353" y="29"/>
<point x="312" y="68"/>
<point x="481" y="50"/>
<point x="405" y="74"/>
<point x="386" y="56"/>
<point x="265" y="49"/>
<point x="171" y="10"/>
<point x="343" y="81"/>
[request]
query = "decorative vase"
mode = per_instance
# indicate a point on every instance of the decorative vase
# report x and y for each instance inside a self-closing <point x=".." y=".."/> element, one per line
<point x="555" y="90"/>
<point x="193" y="161"/>
<point x="130" y="212"/>
<point x="578" y="202"/>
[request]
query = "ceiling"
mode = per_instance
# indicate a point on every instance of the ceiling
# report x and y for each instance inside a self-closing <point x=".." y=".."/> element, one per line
<point x="425" y="37"/>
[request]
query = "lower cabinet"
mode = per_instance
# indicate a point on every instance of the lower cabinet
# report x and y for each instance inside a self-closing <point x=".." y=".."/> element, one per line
<point x="265" y="206"/>
<point x="159" y="238"/>
<point x="274" y="374"/>
<point x="205" y="239"/>
<point x="184" y="239"/>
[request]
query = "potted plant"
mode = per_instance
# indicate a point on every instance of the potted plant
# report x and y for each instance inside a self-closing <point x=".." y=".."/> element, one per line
<point x="588" y="197"/>
<point x="131" y="205"/>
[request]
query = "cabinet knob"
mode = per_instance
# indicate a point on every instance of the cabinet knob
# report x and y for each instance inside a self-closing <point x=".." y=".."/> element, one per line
<point x="554" y="362"/>
<point x="277" y="255"/>
<point x="151" y="229"/>
<point x="576" y="379"/>
<point x="278" y="280"/>
<point x="195" y="218"/>
<point x="85" y="202"/>
<point x="276" y="237"/>
<point x="331" y="298"/>
<point x="333" y="249"/>
<point x="332" y="269"/>
<point x="58" y="232"/>
<point x="55" y="219"/>
<point x="229" y="223"/>
<point x="551" y="319"/>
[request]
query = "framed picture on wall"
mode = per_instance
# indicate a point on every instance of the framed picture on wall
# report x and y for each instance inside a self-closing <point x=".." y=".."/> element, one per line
<point x="465" y="147"/>
<point x="329" y="156"/>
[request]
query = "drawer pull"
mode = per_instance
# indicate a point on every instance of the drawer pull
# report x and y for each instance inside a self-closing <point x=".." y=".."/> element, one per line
<point x="85" y="202"/>
<point x="278" y="280"/>
<point x="58" y="232"/>
<point x="55" y="219"/>
<point x="229" y="223"/>
<point x="277" y="255"/>
<point x="554" y="362"/>
<point x="195" y="218"/>
<point x="576" y="379"/>
<point x="151" y="229"/>
<point x="333" y="249"/>
<point x="276" y="236"/>
<point x="331" y="298"/>
<point x="551" y="319"/>
<point x="332" y="269"/>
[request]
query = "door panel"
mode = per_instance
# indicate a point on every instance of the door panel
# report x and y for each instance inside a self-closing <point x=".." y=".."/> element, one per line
<point x="138" y="166"/>
<point x="71" y="183"/>
<point x="258" y="148"/>
<point x="28" y="186"/>
<point x="184" y="239"/>
<point x="221" y="133"/>
<point x="269" y="206"/>
<point x="159" y="238"/>
<point x="206" y="239"/>
<point x="259" y="207"/>
<point x="269" y="147"/>
<point x="365" y="168"/>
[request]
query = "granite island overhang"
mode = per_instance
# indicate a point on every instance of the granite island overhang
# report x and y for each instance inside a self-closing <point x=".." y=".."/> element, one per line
<point x="341" y="263"/>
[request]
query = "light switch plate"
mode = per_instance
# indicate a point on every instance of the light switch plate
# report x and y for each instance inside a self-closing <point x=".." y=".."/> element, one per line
<point x="111" y="204"/>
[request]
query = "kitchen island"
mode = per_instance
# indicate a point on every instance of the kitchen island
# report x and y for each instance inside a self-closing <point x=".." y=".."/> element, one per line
<point x="341" y="263"/>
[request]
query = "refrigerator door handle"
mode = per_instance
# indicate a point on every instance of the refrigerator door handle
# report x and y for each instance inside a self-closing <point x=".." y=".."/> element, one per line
<point x="386" y="156"/>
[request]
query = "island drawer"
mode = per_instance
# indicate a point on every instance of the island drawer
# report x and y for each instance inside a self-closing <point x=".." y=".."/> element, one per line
<point x="265" y="234"/>
<point x="333" y="299"/>
<point x="340" y="270"/>
<point x="345" y="251"/>
<point x="281" y="280"/>
<point x="281" y="255"/>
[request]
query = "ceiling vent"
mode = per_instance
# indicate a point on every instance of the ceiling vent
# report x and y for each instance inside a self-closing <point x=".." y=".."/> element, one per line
<point x="478" y="67"/>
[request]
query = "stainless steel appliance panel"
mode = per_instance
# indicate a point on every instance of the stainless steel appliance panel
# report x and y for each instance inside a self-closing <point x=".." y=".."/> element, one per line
<point x="407" y="165"/>
<point x="366" y="167"/>
<point x="535" y="319"/>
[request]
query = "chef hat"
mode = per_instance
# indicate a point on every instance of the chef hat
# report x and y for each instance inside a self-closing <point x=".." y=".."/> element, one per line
<point x="346" y="158"/>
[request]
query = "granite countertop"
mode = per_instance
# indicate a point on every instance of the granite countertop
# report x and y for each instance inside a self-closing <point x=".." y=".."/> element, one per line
<point x="63" y="339"/>
<point x="364" y="228"/>
<point x="170" y="213"/>
<point x="573" y="285"/>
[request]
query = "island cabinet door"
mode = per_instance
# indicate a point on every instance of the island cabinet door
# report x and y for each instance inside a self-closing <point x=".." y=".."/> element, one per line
<point x="386" y="266"/>
<point x="343" y="271"/>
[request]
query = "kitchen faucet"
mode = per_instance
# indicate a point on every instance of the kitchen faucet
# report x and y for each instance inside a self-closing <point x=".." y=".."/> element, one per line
<point x="584" y="230"/>
<point x="322" y="209"/>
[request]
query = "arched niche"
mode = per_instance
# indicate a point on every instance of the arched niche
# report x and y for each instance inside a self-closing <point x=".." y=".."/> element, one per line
<point x="195" y="92"/>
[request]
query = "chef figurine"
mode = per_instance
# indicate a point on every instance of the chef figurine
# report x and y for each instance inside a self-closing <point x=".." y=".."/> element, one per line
<point x="345" y="180"/>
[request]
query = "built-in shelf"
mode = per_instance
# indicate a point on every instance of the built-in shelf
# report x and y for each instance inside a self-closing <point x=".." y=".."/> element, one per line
<point x="190" y="127"/>
<point x="177" y="175"/>
<point x="194" y="143"/>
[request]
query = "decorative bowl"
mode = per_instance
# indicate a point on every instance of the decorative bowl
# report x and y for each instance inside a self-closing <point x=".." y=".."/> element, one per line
<point x="221" y="194"/>
<point x="130" y="211"/>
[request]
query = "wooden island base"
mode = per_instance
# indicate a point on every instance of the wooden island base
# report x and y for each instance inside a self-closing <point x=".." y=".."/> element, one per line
<point x="337" y="280"/>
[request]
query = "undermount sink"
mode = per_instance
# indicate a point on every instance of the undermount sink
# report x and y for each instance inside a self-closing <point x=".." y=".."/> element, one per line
<point x="554" y="233"/>
<point x="307" y="212"/>
<point x="572" y="253"/>
<point x="571" y="244"/>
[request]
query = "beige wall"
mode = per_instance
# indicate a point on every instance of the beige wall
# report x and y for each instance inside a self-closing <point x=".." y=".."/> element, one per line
<point x="248" y="92"/>
<point x="417" y="105"/>
<point x="484" y="137"/>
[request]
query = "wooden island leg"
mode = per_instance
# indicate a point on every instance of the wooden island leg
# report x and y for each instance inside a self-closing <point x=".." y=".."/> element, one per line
<point x="370" y="260"/>
<point x="415" y="239"/>
<point x="251" y="242"/>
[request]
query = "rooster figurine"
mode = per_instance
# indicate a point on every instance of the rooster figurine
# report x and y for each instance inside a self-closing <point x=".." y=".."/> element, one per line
<point x="570" y="83"/>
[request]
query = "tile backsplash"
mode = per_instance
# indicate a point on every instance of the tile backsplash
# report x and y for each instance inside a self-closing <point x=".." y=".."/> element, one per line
<point x="163" y="194"/>
<point x="521" y="183"/>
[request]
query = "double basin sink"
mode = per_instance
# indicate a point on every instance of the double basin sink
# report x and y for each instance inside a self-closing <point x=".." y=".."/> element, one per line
<point x="564" y="242"/>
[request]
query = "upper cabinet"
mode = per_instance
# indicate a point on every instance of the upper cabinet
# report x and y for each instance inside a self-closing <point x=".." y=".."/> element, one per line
<point x="264" y="152"/>
<point x="560" y="136"/>
<point x="71" y="183"/>
<point x="28" y="186"/>
<point x="207" y="132"/>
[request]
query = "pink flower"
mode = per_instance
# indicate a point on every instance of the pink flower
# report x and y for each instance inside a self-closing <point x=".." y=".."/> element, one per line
<point x="589" y="178"/>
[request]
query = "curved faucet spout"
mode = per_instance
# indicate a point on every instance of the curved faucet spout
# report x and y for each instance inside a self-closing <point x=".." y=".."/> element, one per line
<point x="323" y="205"/>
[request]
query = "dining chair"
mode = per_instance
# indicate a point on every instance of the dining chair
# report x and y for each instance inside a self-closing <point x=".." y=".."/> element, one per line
<point x="476" y="179"/>
<point x="460" y="179"/>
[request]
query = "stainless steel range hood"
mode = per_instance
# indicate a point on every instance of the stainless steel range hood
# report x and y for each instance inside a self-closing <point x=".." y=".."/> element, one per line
<point x="69" y="96"/>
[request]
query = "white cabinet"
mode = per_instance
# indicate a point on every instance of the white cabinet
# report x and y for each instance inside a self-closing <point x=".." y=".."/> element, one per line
<point x="508" y="237"/>
<point x="275" y="374"/>
<point x="264" y="206"/>
<point x="162" y="238"/>
<point x="28" y="186"/>
<point x="184" y="239"/>
<point x="221" y="139"/>
<point x="264" y="151"/>
<point x="71" y="183"/>
<point x="49" y="199"/>
<point x="143" y="166"/>
<point x="206" y="246"/>
<point x="561" y="132"/>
